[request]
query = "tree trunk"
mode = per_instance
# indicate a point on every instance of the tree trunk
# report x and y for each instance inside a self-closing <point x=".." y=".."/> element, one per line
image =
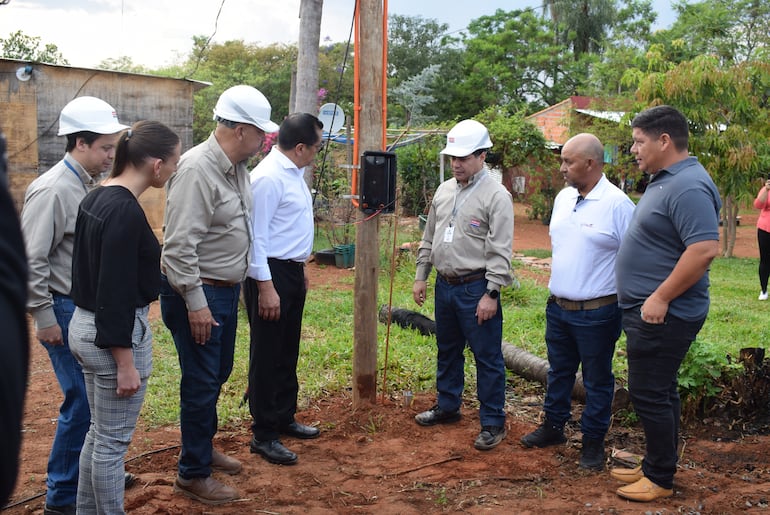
<point x="518" y="361"/>
<point x="306" y="89"/>
<point x="729" y="223"/>
<point x="307" y="57"/>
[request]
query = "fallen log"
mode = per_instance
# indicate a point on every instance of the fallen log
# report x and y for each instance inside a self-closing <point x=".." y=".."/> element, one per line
<point x="517" y="360"/>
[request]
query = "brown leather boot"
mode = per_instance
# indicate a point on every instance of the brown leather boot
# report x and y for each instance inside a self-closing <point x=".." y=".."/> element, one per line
<point x="224" y="463"/>
<point x="205" y="489"/>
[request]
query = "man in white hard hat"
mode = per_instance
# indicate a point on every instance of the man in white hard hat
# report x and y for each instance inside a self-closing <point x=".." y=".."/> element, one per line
<point x="468" y="238"/>
<point x="207" y="231"/>
<point x="48" y="222"/>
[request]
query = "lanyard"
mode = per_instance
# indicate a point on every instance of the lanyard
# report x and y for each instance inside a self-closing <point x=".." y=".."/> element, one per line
<point x="72" y="168"/>
<point x="467" y="193"/>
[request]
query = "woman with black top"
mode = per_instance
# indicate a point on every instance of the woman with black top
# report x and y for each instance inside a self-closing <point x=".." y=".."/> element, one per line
<point x="115" y="276"/>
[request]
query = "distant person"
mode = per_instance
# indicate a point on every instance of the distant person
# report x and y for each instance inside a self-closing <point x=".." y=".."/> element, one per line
<point x="468" y="238"/>
<point x="663" y="281"/>
<point x="207" y="231"/>
<point x="14" y="345"/>
<point x="276" y="286"/>
<point x="583" y="320"/>
<point x="48" y="222"/>
<point x="115" y="277"/>
<point x="763" y="237"/>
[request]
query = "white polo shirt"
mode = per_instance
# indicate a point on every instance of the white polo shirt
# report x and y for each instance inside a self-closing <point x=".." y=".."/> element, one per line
<point x="585" y="238"/>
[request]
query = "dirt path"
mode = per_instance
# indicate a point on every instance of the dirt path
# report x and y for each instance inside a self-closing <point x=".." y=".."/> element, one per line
<point x="380" y="461"/>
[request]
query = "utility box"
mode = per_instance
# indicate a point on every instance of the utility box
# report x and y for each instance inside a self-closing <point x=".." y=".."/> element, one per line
<point x="377" y="182"/>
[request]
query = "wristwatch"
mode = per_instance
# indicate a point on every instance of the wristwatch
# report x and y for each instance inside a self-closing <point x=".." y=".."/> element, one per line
<point x="493" y="294"/>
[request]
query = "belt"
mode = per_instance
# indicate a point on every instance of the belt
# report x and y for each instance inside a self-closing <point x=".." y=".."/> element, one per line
<point x="290" y="262"/>
<point x="583" y="305"/>
<point x="462" y="279"/>
<point x="216" y="283"/>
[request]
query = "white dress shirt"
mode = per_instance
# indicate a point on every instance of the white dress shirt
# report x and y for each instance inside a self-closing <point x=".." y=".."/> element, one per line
<point x="281" y="214"/>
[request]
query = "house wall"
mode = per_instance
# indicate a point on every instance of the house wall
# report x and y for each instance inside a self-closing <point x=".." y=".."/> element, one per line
<point x="29" y="116"/>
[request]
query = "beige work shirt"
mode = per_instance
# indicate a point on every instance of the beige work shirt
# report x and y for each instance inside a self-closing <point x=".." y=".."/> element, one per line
<point x="206" y="227"/>
<point x="48" y="223"/>
<point x="481" y="238"/>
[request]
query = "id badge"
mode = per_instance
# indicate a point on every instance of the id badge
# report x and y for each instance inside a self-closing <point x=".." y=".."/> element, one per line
<point x="449" y="234"/>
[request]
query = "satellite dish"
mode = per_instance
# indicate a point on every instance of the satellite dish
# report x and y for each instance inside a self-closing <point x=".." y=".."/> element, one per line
<point x="24" y="73"/>
<point x="333" y="118"/>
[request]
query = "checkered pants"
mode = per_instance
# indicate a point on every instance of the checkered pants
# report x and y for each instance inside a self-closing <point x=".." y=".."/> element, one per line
<point x="113" y="419"/>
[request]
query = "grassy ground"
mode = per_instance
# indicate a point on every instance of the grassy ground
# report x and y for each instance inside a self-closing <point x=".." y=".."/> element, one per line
<point x="736" y="320"/>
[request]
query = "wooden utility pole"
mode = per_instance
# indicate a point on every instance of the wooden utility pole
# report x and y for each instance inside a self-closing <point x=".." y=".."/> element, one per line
<point x="369" y="135"/>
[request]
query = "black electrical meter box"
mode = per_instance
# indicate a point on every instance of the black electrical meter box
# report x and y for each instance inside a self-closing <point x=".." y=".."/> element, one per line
<point x="377" y="182"/>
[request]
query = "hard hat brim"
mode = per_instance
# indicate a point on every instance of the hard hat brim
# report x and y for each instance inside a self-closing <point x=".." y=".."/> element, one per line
<point x="268" y="126"/>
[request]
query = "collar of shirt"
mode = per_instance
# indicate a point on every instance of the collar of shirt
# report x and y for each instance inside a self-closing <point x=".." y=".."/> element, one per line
<point x="85" y="177"/>
<point x="678" y="166"/>
<point x="473" y="179"/>
<point x="224" y="165"/>
<point x="285" y="162"/>
<point x="595" y="193"/>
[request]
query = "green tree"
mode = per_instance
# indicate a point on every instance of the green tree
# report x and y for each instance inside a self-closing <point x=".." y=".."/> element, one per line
<point x="727" y="107"/>
<point x="122" y="64"/>
<point x="514" y="58"/>
<point x="624" y="48"/>
<point x="414" y="43"/>
<point x="423" y="64"/>
<point x="28" y="48"/>
<point x="583" y="25"/>
<point x="732" y="30"/>
<point x="236" y="62"/>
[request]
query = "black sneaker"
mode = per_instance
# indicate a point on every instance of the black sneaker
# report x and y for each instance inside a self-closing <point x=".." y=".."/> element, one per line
<point x="547" y="434"/>
<point x="489" y="437"/>
<point x="436" y="415"/>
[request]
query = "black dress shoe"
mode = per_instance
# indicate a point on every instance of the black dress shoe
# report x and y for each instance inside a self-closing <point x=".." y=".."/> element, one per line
<point x="273" y="451"/>
<point x="302" y="431"/>
<point x="129" y="480"/>
<point x="436" y="415"/>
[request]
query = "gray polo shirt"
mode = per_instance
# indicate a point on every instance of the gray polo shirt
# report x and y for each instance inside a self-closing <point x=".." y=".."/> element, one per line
<point x="48" y="223"/>
<point x="680" y="207"/>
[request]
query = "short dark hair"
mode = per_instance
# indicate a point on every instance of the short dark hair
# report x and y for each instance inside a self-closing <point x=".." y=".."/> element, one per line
<point x="145" y="139"/>
<point x="664" y="119"/>
<point x="299" y="128"/>
<point x="88" y="136"/>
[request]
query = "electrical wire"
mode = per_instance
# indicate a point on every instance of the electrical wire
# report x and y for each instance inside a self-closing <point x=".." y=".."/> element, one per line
<point x="206" y="45"/>
<point x="319" y="180"/>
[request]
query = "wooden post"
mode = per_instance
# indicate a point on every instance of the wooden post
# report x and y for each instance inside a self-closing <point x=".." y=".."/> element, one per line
<point x="369" y="132"/>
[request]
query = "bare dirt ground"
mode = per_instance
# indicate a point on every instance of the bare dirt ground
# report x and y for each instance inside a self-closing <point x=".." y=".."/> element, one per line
<point x="379" y="461"/>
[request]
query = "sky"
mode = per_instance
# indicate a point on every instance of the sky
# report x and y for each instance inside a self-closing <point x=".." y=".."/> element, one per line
<point x="156" y="33"/>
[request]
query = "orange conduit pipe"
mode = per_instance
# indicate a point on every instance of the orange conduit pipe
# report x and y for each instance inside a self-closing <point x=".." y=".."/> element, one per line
<point x="356" y="102"/>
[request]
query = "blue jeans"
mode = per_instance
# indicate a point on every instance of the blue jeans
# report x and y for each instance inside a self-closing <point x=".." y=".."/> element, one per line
<point x="581" y="338"/>
<point x="456" y="324"/>
<point x="655" y="352"/>
<point x="205" y="368"/>
<point x="74" y="415"/>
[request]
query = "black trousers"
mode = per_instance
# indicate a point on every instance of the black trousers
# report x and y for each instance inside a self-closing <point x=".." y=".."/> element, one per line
<point x="763" y="240"/>
<point x="274" y="350"/>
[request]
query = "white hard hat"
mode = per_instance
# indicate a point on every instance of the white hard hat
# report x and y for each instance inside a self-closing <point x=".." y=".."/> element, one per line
<point x="465" y="138"/>
<point x="245" y="104"/>
<point x="89" y="114"/>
